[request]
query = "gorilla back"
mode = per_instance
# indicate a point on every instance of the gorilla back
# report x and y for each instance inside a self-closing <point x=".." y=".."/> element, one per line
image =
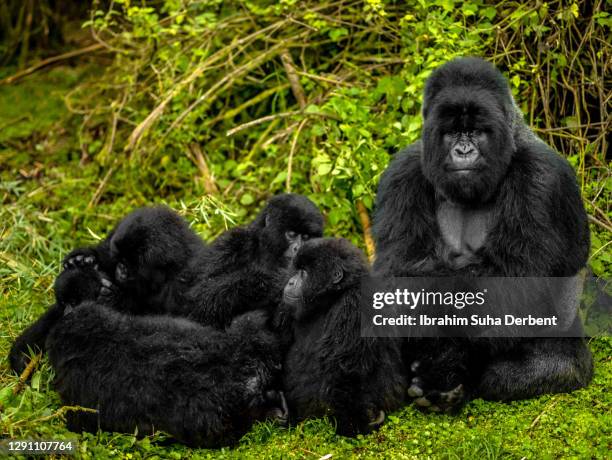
<point x="481" y="195"/>
<point x="203" y="386"/>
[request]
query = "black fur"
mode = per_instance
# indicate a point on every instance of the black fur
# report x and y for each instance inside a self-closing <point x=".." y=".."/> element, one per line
<point x="536" y="226"/>
<point x="246" y="267"/>
<point x="329" y="369"/>
<point x="203" y="386"/>
<point x="158" y="254"/>
<point x="72" y="288"/>
<point x="151" y="257"/>
<point x="153" y="262"/>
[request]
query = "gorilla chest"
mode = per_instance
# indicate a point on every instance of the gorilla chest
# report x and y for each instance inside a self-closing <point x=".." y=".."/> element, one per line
<point x="463" y="233"/>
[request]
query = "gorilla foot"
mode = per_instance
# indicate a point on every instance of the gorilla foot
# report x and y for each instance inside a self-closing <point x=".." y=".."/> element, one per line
<point x="377" y="421"/>
<point x="279" y="413"/>
<point x="78" y="259"/>
<point x="437" y="401"/>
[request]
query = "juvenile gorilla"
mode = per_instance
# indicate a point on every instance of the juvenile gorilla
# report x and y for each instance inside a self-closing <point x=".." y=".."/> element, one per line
<point x="203" y="386"/>
<point x="153" y="262"/>
<point x="329" y="369"/>
<point x="481" y="195"/>
<point x="145" y="265"/>
<point x="246" y="266"/>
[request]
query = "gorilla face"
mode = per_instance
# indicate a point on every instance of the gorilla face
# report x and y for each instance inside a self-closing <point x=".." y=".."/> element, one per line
<point x="467" y="136"/>
<point x="286" y="223"/>
<point x="323" y="269"/>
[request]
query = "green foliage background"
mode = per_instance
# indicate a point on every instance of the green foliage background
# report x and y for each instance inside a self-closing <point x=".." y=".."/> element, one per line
<point x="213" y="106"/>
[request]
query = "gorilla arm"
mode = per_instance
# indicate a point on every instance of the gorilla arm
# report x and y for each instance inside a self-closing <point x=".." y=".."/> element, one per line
<point x="539" y="197"/>
<point x="219" y="299"/>
<point x="405" y="225"/>
<point x="234" y="280"/>
<point x="33" y="337"/>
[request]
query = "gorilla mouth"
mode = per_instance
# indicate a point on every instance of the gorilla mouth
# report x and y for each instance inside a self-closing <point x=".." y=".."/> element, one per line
<point x="291" y="300"/>
<point x="466" y="170"/>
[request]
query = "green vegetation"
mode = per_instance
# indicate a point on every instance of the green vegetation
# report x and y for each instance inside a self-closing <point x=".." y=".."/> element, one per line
<point x="212" y="106"/>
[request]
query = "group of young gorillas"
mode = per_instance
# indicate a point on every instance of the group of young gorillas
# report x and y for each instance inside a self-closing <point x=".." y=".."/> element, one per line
<point x="154" y="329"/>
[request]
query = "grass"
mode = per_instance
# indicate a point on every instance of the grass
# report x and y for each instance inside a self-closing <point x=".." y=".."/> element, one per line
<point x="45" y="187"/>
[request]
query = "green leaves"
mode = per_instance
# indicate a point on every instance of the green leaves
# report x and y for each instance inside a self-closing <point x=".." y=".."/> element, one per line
<point x="247" y="199"/>
<point x="336" y="34"/>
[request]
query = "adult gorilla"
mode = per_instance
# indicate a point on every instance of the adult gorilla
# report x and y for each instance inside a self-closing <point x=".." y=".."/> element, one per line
<point x="481" y="195"/>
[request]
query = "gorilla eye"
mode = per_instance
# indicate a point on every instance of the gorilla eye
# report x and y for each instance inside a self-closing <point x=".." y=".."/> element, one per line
<point x="337" y="275"/>
<point x="291" y="235"/>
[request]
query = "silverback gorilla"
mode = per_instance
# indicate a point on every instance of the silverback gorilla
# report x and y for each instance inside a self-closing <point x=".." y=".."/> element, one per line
<point x="481" y="195"/>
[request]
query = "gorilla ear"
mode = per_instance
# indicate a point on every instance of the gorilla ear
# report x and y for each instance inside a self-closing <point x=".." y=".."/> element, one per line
<point x="267" y="220"/>
<point x="337" y="275"/>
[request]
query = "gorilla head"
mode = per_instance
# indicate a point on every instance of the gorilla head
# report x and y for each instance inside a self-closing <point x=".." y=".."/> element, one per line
<point x="286" y="222"/>
<point x="468" y="139"/>
<point x="149" y="246"/>
<point x="324" y="269"/>
<point x="74" y="286"/>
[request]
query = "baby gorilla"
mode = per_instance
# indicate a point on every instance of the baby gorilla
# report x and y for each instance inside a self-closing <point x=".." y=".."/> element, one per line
<point x="72" y="288"/>
<point x="203" y="386"/>
<point x="329" y="369"/>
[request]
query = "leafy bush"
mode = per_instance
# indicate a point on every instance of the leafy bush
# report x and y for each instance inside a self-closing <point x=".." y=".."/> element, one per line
<point x="254" y="98"/>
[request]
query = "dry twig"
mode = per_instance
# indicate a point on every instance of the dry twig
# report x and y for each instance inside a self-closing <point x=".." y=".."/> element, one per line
<point x="27" y="372"/>
<point x="290" y="160"/>
<point x="364" y="218"/>
<point x="49" y="61"/>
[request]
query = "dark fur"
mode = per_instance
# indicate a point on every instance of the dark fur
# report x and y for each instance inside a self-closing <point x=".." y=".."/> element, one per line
<point x="151" y="257"/>
<point x="329" y="369"/>
<point x="203" y="386"/>
<point x="246" y="266"/>
<point x="155" y="263"/>
<point x="538" y="224"/>
<point x="160" y="253"/>
<point x="72" y="288"/>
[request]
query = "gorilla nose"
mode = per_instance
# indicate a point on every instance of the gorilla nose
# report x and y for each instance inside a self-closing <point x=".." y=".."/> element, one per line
<point x="297" y="244"/>
<point x="463" y="149"/>
<point x="464" y="156"/>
